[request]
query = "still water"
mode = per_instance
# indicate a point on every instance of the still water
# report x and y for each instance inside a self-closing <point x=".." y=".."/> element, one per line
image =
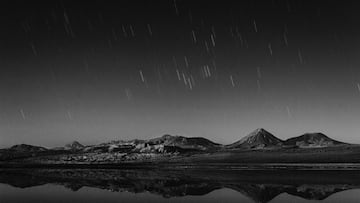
<point x="70" y="185"/>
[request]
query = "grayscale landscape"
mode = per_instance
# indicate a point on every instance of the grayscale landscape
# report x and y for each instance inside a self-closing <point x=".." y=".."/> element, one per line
<point x="253" y="101"/>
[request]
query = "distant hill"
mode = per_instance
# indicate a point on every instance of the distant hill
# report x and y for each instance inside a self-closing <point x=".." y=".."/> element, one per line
<point x="21" y="151"/>
<point x="199" y="143"/>
<point x="25" y="148"/>
<point x="312" y="140"/>
<point x="259" y="138"/>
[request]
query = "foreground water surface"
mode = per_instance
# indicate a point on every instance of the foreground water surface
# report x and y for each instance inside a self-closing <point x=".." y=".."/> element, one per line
<point x="113" y="185"/>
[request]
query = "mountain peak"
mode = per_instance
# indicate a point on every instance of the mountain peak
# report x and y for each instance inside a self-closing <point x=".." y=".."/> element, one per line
<point x="259" y="138"/>
<point x="260" y="130"/>
<point x="312" y="140"/>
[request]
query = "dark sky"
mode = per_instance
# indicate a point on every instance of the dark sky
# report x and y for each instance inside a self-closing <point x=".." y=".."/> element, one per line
<point x="96" y="71"/>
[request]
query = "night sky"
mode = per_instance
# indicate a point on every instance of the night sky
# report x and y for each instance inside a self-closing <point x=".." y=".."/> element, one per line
<point x="97" y="71"/>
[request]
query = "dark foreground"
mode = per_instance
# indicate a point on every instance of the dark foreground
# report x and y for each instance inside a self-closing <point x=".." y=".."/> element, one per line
<point x="251" y="185"/>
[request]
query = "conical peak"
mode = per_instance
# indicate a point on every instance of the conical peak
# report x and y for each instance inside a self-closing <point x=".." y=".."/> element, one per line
<point x="258" y="138"/>
<point x="260" y="131"/>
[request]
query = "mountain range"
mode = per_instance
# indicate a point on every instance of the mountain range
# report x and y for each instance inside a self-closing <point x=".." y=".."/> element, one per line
<point x="168" y="147"/>
<point x="258" y="139"/>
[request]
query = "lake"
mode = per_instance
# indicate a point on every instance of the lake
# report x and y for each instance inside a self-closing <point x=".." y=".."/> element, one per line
<point x="146" y="185"/>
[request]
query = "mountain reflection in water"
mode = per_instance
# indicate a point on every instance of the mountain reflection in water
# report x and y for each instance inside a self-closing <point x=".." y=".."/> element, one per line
<point x="260" y="186"/>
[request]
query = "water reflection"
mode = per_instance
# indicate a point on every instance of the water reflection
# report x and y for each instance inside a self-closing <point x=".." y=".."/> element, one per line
<point x="259" y="186"/>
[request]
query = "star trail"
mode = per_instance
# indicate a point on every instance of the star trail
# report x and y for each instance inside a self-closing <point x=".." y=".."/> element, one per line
<point x="95" y="71"/>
